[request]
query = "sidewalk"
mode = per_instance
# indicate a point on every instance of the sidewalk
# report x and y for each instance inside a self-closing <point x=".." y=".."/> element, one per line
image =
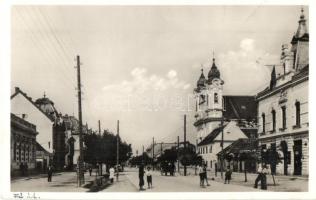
<point x="283" y="183"/>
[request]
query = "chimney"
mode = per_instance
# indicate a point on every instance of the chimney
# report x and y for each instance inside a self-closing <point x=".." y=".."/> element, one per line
<point x="17" y="89"/>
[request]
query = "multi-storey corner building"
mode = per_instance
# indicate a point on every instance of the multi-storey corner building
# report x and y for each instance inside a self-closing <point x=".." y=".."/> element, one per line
<point x="283" y="107"/>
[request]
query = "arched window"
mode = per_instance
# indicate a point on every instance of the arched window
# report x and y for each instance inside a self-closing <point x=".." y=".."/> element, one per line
<point x="298" y="113"/>
<point x="283" y="117"/>
<point x="263" y="123"/>
<point x="273" y="120"/>
<point x="215" y="98"/>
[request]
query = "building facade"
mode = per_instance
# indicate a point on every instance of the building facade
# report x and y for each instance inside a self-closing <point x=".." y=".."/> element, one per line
<point x="220" y="119"/>
<point x="283" y="107"/>
<point x="23" y="145"/>
<point x="23" y="105"/>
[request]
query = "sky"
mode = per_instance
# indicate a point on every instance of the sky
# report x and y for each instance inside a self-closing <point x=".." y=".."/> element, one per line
<point x="140" y="64"/>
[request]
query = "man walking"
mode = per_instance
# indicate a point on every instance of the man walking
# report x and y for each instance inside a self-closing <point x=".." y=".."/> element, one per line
<point x="259" y="177"/>
<point x="205" y="174"/>
<point x="141" y="176"/>
<point x="49" y="173"/>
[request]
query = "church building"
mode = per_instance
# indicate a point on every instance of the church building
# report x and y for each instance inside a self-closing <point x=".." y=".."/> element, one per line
<point x="220" y="119"/>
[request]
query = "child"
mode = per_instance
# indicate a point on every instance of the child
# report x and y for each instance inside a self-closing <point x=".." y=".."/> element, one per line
<point x="112" y="171"/>
<point x="149" y="178"/>
<point x="228" y="175"/>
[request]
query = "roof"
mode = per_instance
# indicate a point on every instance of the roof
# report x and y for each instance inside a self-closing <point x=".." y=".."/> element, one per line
<point x="40" y="148"/>
<point x="241" y="145"/>
<point x="240" y="107"/>
<point x="303" y="73"/>
<point x="19" y="91"/>
<point x="249" y="132"/>
<point x="201" y="81"/>
<point x="214" y="72"/>
<point x="210" y="137"/>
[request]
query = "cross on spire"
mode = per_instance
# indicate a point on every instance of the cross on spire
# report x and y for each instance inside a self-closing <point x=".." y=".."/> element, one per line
<point x="213" y="56"/>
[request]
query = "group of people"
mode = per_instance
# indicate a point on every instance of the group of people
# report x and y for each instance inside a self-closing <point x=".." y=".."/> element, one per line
<point x="203" y="175"/>
<point x="24" y="169"/>
<point x="262" y="176"/>
<point x="148" y="173"/>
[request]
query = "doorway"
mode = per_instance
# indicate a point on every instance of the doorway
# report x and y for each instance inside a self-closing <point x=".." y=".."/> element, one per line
<point x="285" y="157"/>
<point x="297" y="157"/>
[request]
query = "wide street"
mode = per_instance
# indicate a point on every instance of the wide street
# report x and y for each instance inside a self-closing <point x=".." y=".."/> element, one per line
<point x="128" y="182"/>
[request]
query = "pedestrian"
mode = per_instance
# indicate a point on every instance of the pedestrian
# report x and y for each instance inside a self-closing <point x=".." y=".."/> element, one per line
<point x="205" y="175"/>
<point x="149" y="178"/>
<point x="264" y="177"/>
<point x="228" y="175"/>
<point x="26" y="169"/>
<point x="90" y="170"/>
<point x="259" y="177"/>
<point x="200" y="170"/>
<point x="49" y="173"/>
<point x="112" y="171"/>
<point x="22" y="169"/>
<point x="141" y="176"/>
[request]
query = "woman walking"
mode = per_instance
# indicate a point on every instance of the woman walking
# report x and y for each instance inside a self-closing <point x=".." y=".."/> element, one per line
<point x="141" y="177"/>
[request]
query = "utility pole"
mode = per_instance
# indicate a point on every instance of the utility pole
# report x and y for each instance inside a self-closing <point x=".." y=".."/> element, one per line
<point x="99" y="127"/>
<point x="185" y="141"/>
<point x="117" y="149"/>
<point x="222" y="145"/>
<point x="178" y="141"/>
<point x="80" y="163"/>
<point x="153" y="152"/>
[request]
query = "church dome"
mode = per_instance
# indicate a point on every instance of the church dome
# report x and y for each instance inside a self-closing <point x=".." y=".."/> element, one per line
<point x="214" y="72"/>
<point x="201" y="81"/>
<point x="47" y="106"/>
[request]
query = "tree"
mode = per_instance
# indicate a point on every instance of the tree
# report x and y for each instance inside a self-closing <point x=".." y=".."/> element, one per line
<point x="103" y="149"/>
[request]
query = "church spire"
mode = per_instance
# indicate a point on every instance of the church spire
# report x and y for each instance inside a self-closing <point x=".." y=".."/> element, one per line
<point x="301" y="33"/>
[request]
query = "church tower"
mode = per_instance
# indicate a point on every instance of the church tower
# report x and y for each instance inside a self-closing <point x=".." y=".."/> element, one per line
<point x="208" y="102"/>
<point x="300" y="42"/>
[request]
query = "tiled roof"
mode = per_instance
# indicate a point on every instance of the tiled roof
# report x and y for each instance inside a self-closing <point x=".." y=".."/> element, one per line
<point x="250" y="132"/>
<point x="240" y="107"/>
<point x="241" y="145"/>
<point x="210" y="137"/>
<point x="40" y="148"/>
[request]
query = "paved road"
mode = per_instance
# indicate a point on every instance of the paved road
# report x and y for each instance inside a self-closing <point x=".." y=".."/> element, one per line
<point x="61" y="182"/>
<point x="128" y="182"/>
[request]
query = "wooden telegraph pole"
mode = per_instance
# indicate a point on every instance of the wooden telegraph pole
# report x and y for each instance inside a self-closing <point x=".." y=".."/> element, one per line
<point x="80" y="163"/>
<point x="222" y="145"/>
<point x="117" y="148"/>
<point x="99" y="123"/>
<point x="185" y="141"/>
<point x="153" y="152"/>
<point x="178" y="146"/>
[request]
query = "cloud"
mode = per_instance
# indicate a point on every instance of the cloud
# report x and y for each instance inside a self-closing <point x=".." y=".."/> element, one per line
<point x="243" y="70"/>
<point x="141" y="89"/>
<point x="247" y="45"/>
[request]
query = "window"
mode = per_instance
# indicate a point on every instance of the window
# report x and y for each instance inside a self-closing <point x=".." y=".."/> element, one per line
<point x="273" y="120"/>
<point x="211" y="149"/>
<point x="298" y="113"/>
<point x="263" y="123"/>
<point x="206" y="149"/>
<point x="224" y="105"/>
<point x="211" y="164"/>
<point x="283" y="117"/>
<point x="215" y="98"/>
<point x="207" y="99"/>
<point x="14" y="151"/>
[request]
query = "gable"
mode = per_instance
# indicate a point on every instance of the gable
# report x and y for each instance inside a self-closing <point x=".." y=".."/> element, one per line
<point x="240" y="107"/>
<point x="20" y="105"/>
<point x="232" y="132"/>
